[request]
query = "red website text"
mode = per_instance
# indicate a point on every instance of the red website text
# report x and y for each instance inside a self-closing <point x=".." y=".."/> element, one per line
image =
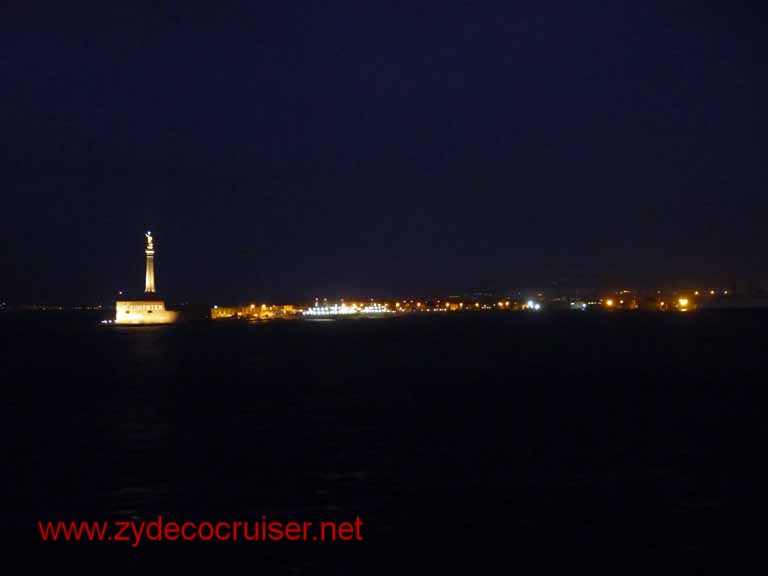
<point x="136" y="532"/>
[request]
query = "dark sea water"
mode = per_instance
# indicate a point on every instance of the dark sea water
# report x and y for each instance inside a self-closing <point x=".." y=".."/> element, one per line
<point x="482" y="440"/>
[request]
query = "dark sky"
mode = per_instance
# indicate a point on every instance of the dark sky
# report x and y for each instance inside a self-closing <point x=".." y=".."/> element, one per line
<point x="284" y="150"/>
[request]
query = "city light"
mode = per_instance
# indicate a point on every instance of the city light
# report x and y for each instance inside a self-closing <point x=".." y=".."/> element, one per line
<point x="345" y="310"/>
<point x="658" y="300"/>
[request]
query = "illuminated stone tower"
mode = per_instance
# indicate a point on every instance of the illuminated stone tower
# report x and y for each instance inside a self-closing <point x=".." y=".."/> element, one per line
<point x="150" y="309"/>
<point x="149" y="281"/>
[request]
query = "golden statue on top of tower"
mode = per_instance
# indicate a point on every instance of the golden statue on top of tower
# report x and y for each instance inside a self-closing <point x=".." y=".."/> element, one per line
<point x="150" y="245"/>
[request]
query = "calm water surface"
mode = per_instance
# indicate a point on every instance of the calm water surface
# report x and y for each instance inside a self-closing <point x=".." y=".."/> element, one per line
<point x="482" y="438"/>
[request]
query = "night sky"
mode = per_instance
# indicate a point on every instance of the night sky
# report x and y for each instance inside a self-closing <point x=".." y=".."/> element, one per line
<point x="284" y="150"/>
